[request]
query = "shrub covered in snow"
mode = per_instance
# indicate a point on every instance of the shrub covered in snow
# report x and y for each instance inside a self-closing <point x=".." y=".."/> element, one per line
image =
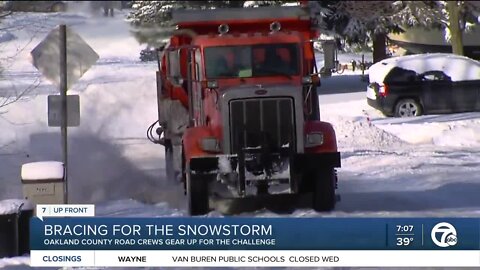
<point x="14" y="206"/>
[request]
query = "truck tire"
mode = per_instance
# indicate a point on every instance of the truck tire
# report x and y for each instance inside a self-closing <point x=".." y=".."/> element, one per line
<point x="169" y="168"/>
<point x="324" y="198"/>
<point x="197" y="194"/>
<point x="183" y="173"/>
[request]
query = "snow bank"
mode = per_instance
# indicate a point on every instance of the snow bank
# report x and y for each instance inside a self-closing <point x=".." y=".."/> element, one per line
<point x="43" y="170"/>
<point x="351" y="121"/>
<point x="449" y="130"/>
<point x="459" y="137"/>
<point x="415" y="133"/>
<point x="440" y="134"/>
<point x="360" y="133"/>
<point x="359" y="125"/>
<point x="15" y="261"/>
<point x="12" y="206"/>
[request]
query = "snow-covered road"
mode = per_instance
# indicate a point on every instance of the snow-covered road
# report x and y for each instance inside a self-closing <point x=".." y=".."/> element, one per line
<point x="425" y="166"/>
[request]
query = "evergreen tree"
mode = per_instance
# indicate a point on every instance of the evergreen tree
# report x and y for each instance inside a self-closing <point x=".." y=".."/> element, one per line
<point x="364" y="21"/>
<point x="454" y="17"/>
<point x="359" y="22"/>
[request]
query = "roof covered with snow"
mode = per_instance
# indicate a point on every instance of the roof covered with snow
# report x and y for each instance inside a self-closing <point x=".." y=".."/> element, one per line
<point x="458" y="68"/>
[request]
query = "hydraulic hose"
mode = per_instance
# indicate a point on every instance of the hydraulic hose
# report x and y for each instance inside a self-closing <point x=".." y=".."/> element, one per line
<point x="151" y="134"/>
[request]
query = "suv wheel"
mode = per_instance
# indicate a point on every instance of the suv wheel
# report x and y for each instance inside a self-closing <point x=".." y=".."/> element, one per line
<point x="408" y="108"/>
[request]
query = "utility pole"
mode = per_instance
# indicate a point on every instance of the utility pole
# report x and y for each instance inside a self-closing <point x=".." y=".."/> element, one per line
<point x="63" y="94"/>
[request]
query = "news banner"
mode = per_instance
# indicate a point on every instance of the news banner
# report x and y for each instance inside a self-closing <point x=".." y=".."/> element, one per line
<point x="72" y="236"/>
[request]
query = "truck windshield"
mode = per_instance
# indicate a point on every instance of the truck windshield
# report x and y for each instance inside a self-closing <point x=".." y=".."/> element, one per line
<point x="252" y="61"/>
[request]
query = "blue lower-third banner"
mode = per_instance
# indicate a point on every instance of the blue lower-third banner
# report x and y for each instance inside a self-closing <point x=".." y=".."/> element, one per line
<point x="97" y="233"/>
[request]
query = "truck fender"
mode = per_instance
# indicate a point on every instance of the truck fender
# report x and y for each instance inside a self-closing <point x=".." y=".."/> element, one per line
<point x="329" y="137"/>
<point x="191" y="142"/>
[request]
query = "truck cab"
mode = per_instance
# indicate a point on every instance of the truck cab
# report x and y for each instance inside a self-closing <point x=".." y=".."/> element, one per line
<point x="238" y="108"/>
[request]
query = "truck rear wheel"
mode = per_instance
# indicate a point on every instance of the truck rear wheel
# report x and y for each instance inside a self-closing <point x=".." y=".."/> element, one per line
<point x="197" y="193"/>
<point x="324" y="198"/>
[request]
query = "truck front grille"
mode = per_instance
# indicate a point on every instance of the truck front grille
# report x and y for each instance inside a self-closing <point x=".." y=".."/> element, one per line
<point x="262" y="122"/>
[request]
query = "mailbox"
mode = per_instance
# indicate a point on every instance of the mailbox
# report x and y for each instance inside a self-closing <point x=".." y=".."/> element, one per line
<point x="44" y="182"/>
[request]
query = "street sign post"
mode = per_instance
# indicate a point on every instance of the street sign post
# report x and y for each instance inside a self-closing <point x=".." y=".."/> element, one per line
<point x="74" y="57"/>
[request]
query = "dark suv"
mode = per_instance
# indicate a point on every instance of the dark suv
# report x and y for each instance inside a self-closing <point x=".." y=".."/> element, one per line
<point x="424" y="84"/>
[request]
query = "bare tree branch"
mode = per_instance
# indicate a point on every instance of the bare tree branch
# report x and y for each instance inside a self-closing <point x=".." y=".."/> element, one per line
<point x="12" y="99"/>
<point x="34" y="26"/>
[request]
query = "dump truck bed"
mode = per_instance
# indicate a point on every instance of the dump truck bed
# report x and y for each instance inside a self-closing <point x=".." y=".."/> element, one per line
<point x="184" y="17"/>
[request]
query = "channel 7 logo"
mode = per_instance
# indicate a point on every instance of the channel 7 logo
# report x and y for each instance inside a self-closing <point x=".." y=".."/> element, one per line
<point x="447" y="234"/>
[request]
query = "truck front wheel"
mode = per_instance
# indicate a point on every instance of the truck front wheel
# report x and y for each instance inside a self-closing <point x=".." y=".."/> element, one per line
<point x="197" y="193"/>
<point x="169" y="168"/>
<point x="324" y="198"/>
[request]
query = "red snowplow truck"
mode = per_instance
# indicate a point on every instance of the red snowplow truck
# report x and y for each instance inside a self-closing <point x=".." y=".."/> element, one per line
<point x="238" y="109"/>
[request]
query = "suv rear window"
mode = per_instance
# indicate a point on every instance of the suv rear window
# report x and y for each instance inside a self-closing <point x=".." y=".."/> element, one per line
<point x="400" y="75"/>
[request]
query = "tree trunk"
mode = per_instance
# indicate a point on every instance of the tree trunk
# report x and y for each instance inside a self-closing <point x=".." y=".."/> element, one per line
<point x="379" y="47"/>
<point x="454" y="25"/>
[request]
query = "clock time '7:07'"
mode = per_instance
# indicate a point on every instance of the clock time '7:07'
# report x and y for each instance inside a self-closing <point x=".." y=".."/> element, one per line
<point x="405" y="228"/>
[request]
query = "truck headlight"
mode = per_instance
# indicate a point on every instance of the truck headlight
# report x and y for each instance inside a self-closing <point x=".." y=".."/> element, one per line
<point x="314" y="139"/>
<point x="210" y="144"/>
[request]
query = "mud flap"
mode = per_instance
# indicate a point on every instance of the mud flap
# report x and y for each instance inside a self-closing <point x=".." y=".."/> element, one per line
<point x="316" y="160"/>
<point x="204" y="164"/>
<point x="197" y="193"/>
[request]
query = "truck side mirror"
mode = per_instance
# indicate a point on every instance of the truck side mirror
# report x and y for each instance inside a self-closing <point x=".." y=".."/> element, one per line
<point x="312" y="79"/>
